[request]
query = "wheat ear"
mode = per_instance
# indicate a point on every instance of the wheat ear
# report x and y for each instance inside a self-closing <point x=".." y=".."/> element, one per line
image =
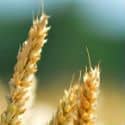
<point x="66" y="107"/>
<point x="25" y="68"/>
<point x="88" y="97"/>
<point x="79" y="102"/>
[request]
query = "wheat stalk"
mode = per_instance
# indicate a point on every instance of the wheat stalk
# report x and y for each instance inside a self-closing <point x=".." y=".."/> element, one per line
<point x="25" y="68"/>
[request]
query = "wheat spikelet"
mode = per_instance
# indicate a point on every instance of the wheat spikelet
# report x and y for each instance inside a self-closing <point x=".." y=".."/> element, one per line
<point x="25" y="68"/>
<point x="88" y="98"/>
<point x="66" y="108"/>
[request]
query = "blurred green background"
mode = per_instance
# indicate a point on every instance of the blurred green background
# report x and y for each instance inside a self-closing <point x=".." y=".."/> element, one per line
<point x="99" y="25"/>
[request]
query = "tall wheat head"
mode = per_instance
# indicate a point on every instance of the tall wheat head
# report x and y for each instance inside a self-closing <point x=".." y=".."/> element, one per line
<point x="22" y="80"/>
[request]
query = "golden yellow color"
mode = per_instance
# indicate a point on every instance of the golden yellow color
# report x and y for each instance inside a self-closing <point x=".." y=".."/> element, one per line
<point x="22" y="81"/>
<point x="88" y="97"/>
<point x="78" y="105"/>
<point x="67" y="107"/>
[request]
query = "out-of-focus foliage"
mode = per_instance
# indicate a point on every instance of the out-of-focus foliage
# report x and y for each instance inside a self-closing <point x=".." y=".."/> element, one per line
<point x="72" y="30"/>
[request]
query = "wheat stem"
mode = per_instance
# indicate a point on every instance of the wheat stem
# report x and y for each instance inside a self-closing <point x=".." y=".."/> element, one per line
<point x="25" y="68"/>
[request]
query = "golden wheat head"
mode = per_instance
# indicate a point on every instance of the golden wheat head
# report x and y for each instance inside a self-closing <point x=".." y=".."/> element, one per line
<point x="22" y="80"/>
<point x="66" y="107"/>
<point x="78" y="105"/>
<point x="88" y="97"/>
